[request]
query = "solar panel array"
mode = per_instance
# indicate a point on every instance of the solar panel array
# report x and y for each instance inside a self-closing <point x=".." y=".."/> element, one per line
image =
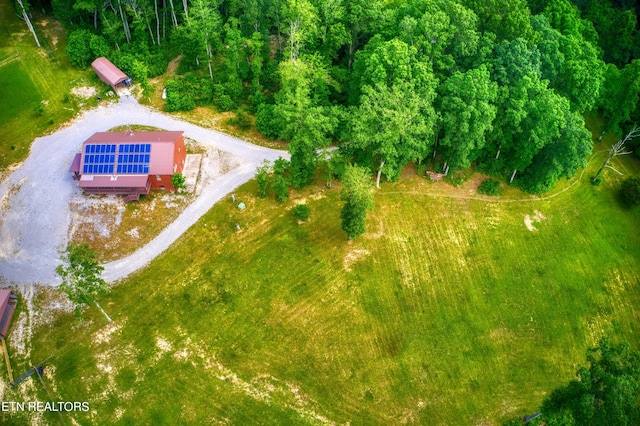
<point x="132" y="159"/>
<point x="98" y="158"/>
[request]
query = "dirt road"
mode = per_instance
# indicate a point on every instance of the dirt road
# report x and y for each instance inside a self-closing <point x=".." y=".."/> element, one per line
<point x="34" y="199"/>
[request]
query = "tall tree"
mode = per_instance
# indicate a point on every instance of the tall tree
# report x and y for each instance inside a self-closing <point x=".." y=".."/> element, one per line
<point x="302" y="26"/>
<point x="467" y="111"/>
<point x="513" y="60"/>
<point x="306" y="123"/>
<point x="204" y="26"/>
<point x="332" y="31"/>
<point x="358" y="198"/>
<point x="81" y="281"/>
<point x="446" y="33"/>
<point x="559" y="158"/>
<point x="362" y="19"/>
<point x="529" y="117"/>
<point x="507" y="19"/>
<point x="620" y="91"/>
<point x="387" y="63"/>
<point x="617" y="30"/>
<point x="396" y="124"/>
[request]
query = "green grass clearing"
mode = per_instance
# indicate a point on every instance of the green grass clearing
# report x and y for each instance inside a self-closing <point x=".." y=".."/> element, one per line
<point x="17" y="91"/>
<point x="448" y="311"/>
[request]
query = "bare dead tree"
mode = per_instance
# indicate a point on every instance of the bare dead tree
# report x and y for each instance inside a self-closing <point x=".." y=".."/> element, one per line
<point x="25" y="16"/>
<point x="617" y="149"/>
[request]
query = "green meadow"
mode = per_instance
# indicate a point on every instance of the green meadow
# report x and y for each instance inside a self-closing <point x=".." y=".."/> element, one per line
<point x="35" y="83"/>
<point x="451" y="309"/>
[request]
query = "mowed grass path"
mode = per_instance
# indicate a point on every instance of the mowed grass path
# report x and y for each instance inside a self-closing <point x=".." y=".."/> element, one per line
<point x="448" y="311"/>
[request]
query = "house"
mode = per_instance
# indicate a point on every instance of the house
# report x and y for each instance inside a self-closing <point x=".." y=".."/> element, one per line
<point x="129" y="163"/>
<point x="109" y="73"/>
<point x="8" y="302"/>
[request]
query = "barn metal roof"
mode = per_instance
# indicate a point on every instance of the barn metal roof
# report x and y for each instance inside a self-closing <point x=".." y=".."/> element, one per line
<point x="108" y="72"/>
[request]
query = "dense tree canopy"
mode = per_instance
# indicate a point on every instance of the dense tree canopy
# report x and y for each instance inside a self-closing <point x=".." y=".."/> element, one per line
<point x="606" y="392"/>
<point x="502" y="84"/>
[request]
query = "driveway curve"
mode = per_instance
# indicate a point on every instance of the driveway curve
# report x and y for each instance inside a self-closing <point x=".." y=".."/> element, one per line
<point x="34" y="199"/>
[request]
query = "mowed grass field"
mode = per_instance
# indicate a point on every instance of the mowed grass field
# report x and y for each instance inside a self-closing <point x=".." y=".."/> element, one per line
<point x="35" y="83"/>
<point x="449" y="310"/>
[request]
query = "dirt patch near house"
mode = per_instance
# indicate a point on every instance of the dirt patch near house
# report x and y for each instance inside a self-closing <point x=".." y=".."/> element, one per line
<point x="84" y="92"/>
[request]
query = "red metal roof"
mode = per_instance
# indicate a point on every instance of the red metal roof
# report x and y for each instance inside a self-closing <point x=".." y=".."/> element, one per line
<point x="135" y="137"/>
<point x="162" y="146"/>
<point x="8" y="302"/>
<point x="108" y="72"/>
<point x="75" y="166"/>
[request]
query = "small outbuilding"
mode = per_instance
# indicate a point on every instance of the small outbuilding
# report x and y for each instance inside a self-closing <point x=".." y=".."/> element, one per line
<point x="109" y="73"/>
<point x="8" y="302"/>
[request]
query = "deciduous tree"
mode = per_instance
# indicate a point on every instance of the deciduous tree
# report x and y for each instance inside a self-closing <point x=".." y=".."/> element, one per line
<point x="606" y="392"/>
<point x="81" y="281"/>
<point x="467" y="111"/>
<point x="396" y="124"/>
<point x="358" y="198"/>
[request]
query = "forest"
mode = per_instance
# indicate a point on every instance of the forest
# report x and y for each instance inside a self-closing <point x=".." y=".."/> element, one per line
<point x="500" y="85"/>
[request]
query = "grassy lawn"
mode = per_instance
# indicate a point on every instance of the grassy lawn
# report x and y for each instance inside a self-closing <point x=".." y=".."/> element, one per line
<point x="17" y="91"/>
<point x="449" y="310"/>
<point x="35" y="83"/>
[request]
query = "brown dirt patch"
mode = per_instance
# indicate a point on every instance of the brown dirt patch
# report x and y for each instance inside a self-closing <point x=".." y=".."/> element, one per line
<point x="354" y="256"/>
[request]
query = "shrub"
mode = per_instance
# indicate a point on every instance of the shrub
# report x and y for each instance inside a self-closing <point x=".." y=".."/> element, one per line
<point x="178" y="99"/>
<point x="156" y="64"/>
<point x="37" y="108"/>
<point x="421" y="168"/>
<point x="262" y="176"/>
<point x="79" y="48"/>
<point x="267" y="122"/>
<point x="597" y="181"/>
<point x="242" y="120"/>
<point x="454" y="179"/>
<point x="489" y="187"/>
<point x="301" y="212"/>
<point x="99" y="46"/>
<point x="630" y="191"/>
<point x="281" y="166"/>
<point x="281" y="188"/>
<point x="221" y="99"/>
<point x="178" y="182"/>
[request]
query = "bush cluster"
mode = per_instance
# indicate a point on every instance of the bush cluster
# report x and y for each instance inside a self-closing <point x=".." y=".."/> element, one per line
<point x="489" y="187"/>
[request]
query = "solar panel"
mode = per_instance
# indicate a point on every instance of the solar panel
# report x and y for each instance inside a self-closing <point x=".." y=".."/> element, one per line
<point x="131" y="158"/>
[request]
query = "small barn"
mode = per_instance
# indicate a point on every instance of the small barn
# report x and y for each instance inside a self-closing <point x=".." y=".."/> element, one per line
<point x="129" y="163"/>
<point x="109" y="73"/>
<point x="8" y="302"/>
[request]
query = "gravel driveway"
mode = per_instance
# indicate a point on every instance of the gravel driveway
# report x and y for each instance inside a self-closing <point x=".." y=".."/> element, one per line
<point x="34" y="199"/>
